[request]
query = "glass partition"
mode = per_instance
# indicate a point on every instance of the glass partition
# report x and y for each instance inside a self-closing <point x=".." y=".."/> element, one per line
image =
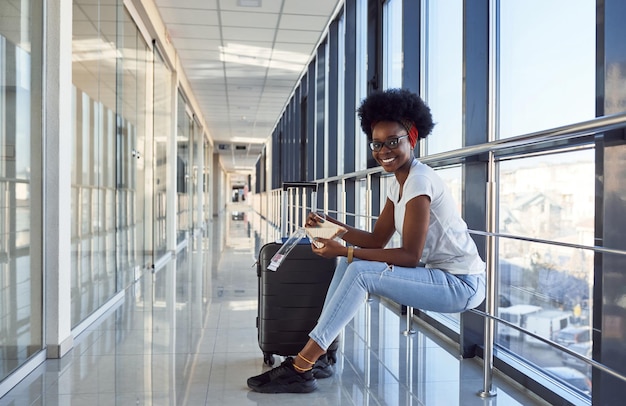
<point x="162" y="96"/>
<point x="93" y="181"/>
<point x="543" y="287"/>
<point x="360" y="142"/>
<point x="392" y="44"/>
<point x="109" y="63"/>
<point x="207" y="184"/>
<point x="131" y="151"/>
<point x="21" y="293"/>
<point x="197" y="162"/>
<point x="443" y="84"/>
<point x="547" y="74"/>
<point x="183" y="168"/>
<point x="341" y="88"/>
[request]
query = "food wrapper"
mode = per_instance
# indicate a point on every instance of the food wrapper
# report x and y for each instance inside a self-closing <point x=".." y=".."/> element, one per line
<point x="326" y="230"/>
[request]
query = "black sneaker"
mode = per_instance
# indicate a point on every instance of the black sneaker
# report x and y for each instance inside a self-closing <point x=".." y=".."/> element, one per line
<point x="283" y="379"/>
<point x="322" y="368"/>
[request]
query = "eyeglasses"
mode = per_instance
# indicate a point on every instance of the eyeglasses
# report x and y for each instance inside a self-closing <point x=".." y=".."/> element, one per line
<point x="391" y="143"/>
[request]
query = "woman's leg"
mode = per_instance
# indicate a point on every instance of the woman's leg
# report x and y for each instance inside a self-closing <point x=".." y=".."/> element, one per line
<point x="423" y="288"/>
<point x="340" y="271"/>
<point x="308" y="355"/>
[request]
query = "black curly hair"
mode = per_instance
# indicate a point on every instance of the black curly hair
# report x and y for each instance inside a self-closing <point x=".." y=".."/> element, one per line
<point x="398" y="105"/>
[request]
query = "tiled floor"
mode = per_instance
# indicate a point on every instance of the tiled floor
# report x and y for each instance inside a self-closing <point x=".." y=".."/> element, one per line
<point x="186" y="335"/>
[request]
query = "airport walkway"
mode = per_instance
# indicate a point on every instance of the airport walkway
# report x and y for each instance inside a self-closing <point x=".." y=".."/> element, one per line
<point x="186" y="335"/>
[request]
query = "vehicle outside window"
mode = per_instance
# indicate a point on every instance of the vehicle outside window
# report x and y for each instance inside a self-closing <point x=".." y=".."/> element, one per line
<point x="517" y="315"/>
<point x="573" y="335"/>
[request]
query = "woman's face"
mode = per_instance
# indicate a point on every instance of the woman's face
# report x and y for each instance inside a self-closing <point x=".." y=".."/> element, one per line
<point x="391" y="146"/>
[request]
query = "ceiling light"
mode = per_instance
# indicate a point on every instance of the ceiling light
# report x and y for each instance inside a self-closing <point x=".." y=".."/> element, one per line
<point x="251" y="55"/>
<point x="249" y="3"/>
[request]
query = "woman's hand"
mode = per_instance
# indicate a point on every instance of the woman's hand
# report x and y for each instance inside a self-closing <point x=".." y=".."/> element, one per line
<point x="327" y="248"/>
<point x="314" y="219"/>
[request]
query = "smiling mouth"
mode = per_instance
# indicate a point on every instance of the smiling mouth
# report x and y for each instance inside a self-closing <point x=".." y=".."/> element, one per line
<point x="388" y="160"/>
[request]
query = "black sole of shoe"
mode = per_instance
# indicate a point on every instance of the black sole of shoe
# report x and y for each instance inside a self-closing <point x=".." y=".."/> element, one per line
<point x="282" y="389"/>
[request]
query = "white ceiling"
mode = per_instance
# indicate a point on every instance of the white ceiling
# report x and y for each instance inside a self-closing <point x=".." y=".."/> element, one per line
<point x="243" y="62"/>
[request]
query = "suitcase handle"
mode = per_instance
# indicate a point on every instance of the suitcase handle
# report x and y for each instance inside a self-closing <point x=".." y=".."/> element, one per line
<point x="307" y="185"/>
<point x="287" y="186"/>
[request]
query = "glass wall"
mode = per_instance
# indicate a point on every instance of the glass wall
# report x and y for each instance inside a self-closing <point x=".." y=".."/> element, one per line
<point x="546" y="75"/>
<point x="361" y="149"/>
<point x="546" y="78"/>
<point x="131" y="147"/>
<point x="543" y="287"/>
<point x="109" y="76"/>
<point x="443" y="74"/>
<point x="341" y="86"/>
<point x="21" y="291"/>
<point x="392" y="44"/>
<point x="93" y="170"/>
<point x="208" y="184"/>
<point x="162" y="105"/>
<point x="197" y="158"/>
<point x="183" y="168"/>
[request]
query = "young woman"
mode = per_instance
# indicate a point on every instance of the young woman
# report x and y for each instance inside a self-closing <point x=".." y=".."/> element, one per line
<point x="437" y="266"/>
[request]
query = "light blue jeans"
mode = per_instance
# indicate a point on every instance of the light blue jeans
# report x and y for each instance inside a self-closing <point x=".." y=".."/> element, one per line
<point x="422" y="288"/>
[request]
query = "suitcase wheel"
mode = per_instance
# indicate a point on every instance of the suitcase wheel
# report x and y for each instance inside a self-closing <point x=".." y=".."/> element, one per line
<point x="268" y="358"/>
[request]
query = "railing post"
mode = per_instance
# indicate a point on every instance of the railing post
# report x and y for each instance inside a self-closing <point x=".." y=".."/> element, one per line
<point x="409" y="316"/>
<point x="283" y="218"/>
<point x="490" y="305"/>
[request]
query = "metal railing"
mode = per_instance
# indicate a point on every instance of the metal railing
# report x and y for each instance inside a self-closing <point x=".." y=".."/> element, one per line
<point x="489" y="153"/>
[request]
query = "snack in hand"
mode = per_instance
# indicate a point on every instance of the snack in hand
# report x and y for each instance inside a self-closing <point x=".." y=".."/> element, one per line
<point x="326" y="230"/>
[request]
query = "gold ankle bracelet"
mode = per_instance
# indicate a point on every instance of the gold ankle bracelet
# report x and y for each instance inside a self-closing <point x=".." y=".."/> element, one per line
<point x="297" y="368"/>
<point x="305" y="360"/>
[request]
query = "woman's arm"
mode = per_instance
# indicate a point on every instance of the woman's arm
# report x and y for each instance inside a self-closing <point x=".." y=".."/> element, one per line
<point x="378" y="238"/>
<point x="415" y="227"/>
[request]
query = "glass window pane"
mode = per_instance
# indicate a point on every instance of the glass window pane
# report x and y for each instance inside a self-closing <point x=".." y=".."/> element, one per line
<point x="360" y="143"/>
<point x="162" y="124"/>
<point x="444" y="74"/>
<point x="559" y="208"/>
<point x="393" y="58"/>
<point x="546" y="288"/>
<point x="183" y="169"/>
<point x="546" y="74"/>
<point x="21" y="293"/>
<point x="341" y="82"/>
<point x="93" y="77"/>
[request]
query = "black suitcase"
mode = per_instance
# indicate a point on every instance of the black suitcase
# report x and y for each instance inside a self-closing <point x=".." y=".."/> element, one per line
<point x="291" y="299"/>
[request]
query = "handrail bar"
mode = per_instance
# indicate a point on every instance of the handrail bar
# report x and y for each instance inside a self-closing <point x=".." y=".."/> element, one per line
<point x="14" y="180"/>
<point x="594" y="248"/>
<point x="570" y="131"/>
<point x="558" y="346"/>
